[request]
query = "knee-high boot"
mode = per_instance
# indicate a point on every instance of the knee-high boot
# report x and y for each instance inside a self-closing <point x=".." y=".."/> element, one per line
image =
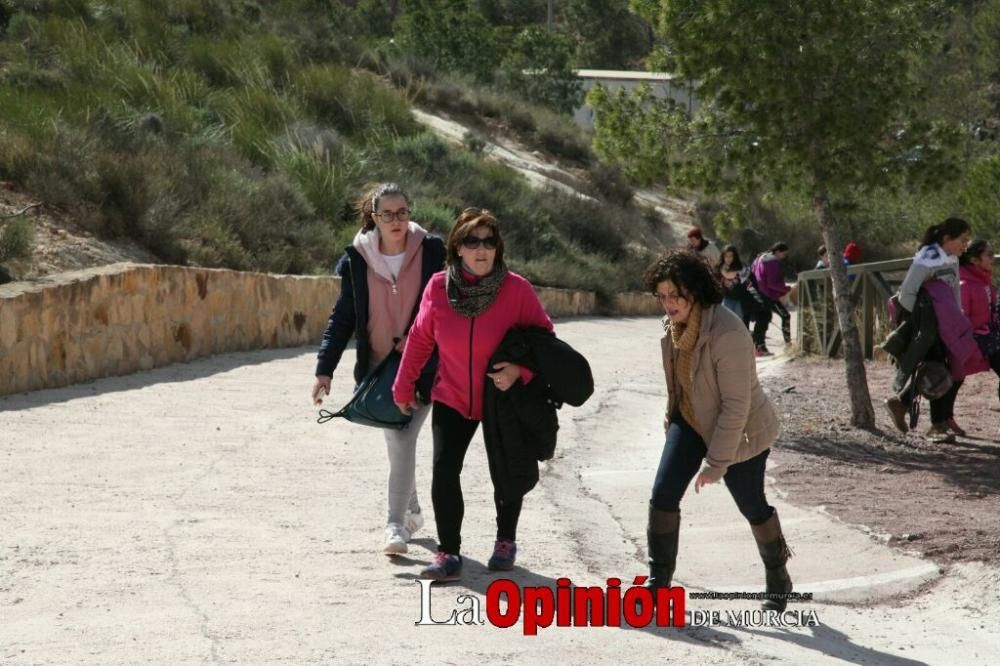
<point x="661" y="536"/>
<point x="775" y="553"/>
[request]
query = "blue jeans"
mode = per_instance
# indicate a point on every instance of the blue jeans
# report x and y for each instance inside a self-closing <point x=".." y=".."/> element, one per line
<point x="734" y="305"/>
<point x="680" y="461"/>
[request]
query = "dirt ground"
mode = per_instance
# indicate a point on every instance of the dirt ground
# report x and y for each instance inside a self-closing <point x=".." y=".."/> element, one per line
<point x="939" y="499"/>
<point x="61" y="242"/>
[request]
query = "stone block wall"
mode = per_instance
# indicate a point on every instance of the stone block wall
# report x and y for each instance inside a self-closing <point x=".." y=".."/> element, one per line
<point x="635" y="304"/>
<point x="123" y="318"/>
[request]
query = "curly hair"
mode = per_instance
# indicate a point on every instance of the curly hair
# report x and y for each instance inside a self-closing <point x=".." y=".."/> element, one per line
<point x="689" y="272"/>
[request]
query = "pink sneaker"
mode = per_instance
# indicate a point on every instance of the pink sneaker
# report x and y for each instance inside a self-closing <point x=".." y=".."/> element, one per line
<point x="954" y="427"/>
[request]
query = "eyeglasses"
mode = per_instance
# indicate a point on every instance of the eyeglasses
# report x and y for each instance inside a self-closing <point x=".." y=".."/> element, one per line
<point x="669" y="298"/>
<point x="403" y="214"/>
<point x="473" y="242"/>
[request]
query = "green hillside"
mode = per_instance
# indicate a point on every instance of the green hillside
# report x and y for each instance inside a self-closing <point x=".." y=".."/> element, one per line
<point x="237" y="134"/>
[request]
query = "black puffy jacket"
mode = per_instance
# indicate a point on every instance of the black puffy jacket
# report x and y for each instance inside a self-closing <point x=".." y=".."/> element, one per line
<point x="520" y="424"/>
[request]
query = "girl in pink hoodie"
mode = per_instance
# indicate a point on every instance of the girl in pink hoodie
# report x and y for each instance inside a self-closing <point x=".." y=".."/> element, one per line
<point x="382" y="274"/>
<point x="466" y="311"/>
<point x="979" y="303"/>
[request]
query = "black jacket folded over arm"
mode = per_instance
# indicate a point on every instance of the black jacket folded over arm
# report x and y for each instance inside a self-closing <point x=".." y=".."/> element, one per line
<point x="520" y="425"/>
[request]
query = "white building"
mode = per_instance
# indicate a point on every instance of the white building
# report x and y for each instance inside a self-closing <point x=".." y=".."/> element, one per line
<point x="661" y="85"/>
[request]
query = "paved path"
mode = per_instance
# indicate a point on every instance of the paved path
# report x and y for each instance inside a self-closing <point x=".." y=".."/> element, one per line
<point x="198" y="514"/>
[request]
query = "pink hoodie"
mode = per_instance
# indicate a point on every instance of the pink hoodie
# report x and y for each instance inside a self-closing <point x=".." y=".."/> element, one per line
<point x="464" y="344"/>
<point x="978" y="297"/>
<point x="390" y="299"/>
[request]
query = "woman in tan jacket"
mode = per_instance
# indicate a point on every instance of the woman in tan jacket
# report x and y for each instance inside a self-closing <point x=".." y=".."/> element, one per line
<point x="719" y="423"/>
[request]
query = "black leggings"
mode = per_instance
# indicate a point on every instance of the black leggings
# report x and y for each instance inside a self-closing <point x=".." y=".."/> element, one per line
<point x="452" y="435"/>
<point x="763" y="321"/>
<point x="680" y="461"/>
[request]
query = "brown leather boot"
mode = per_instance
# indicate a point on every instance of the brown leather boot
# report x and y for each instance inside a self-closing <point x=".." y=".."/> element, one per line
<point x="661" y="536"/>
<point x="774" y="552"/>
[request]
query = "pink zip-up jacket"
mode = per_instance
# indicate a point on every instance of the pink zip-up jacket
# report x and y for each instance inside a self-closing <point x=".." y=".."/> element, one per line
<point x="464" y="344"/>
<point x="978" y="297"/>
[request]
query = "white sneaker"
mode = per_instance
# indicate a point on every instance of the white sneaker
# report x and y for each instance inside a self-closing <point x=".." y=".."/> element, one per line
<point x="414" y="521"/>
<point x="396" y="537"/>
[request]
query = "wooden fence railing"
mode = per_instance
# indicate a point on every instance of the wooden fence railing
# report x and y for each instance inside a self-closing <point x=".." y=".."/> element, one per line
<point x="871" y="287"/>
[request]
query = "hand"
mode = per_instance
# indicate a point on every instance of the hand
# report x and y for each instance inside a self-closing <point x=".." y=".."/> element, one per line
<point x="505" y="374"/>
<point x="320" y="388"/>
<point x="407" y="407"/>
<point x="703" y="479"/>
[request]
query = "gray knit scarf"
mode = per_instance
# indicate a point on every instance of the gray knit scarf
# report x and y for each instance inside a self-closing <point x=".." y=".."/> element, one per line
<point x="471" y="300"/>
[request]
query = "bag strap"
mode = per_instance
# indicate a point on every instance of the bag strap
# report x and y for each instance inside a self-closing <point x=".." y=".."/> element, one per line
<point x="326" y="415"/>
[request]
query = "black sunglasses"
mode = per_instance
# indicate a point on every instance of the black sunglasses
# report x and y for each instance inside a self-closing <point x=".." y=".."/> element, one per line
<point x="473" y="242"/>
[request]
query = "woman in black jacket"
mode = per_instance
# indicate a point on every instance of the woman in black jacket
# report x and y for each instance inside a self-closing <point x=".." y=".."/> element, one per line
<point x="383" y="273"/>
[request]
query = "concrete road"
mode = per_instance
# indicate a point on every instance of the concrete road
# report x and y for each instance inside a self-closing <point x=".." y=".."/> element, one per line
<point x="199" y="514"/>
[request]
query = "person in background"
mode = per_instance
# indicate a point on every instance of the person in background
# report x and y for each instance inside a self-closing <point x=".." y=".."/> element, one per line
<point x="465" y="312"/>
<point x="704" y="247"/>
<point x="738" y="291"/>
<point x="935" y="271"/>
<point x="822" y="262"/>
<point x="382" y="274"/>
<point x="769" y="276"/>
<point x="979" y="304"/>
<point x="719" y="423"/>
<point x="852" y="254"/>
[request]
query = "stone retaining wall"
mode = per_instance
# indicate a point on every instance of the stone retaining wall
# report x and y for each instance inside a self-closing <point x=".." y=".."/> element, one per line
<point x="123" y="318"/>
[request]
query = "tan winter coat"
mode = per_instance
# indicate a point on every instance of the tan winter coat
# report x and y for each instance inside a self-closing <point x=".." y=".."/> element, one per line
<point x="734" y="416"/>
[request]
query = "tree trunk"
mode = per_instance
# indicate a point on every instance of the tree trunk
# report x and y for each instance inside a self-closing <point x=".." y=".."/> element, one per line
<point x="862" y="415"/>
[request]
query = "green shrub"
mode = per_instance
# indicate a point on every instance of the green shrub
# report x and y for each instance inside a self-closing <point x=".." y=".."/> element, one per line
<point x="18" y="156"/>
<point x="474" y="142"/>
<point x="351" y="101"/>
<point x="422" y="154"/>
<point x="254" y="117"/>
<point x="607" y="181"/>
<point x="561" y="137"/>
<point x="327" y="180"/>
<point x="979" y="199"/>
<point x="17" y="237"/>
<point x="537" y="68"/>
<point x="217" y="61"/>
<point x="434" y="216"/>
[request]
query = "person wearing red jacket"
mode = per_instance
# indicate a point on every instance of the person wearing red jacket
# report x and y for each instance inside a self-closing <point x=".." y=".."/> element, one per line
<point x="466" y="311"/>
<point x="979" y="303"/>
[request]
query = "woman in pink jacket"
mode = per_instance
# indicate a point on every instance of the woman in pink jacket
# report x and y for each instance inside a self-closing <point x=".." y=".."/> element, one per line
<point x="979" y="303"/>
<point x="466" y="311"/>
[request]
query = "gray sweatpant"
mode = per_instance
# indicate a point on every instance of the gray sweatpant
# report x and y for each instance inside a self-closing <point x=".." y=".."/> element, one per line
<point x="401" y="447"/>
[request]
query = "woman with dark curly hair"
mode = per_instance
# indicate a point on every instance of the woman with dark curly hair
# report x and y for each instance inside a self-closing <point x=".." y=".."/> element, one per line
<point x="719" y="423"/>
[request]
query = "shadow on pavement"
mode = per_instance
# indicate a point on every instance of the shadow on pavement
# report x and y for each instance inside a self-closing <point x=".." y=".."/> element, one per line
<point x="836" y="644"/>
<point x="174" y="373"/>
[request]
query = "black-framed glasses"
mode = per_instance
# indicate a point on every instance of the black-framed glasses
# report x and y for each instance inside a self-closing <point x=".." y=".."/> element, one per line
<point x="473" y="242"/>
<point x="403" y="214"/>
